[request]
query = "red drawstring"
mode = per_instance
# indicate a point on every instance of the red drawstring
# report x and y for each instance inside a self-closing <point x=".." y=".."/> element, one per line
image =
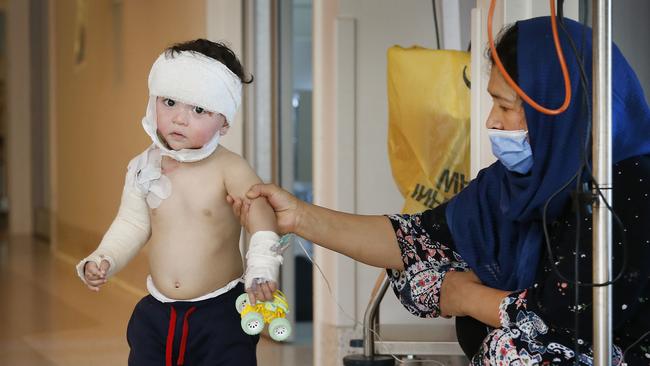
<point x="170" y="337"/>
<point x="186" y="328"/>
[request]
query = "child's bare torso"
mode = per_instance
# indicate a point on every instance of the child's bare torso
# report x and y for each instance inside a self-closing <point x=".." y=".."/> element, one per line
<point x="194" y="246"/>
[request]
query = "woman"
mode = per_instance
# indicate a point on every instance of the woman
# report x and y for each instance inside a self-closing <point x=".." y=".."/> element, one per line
<point x="494" y="226"/>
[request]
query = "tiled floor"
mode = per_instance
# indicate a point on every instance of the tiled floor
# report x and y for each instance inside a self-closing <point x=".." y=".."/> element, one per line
<point x="47" y="318"/>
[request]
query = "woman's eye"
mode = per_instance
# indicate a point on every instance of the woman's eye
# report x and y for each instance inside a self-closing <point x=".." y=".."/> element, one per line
<point x="169" y="102"/>
<point x="199" y="110"/>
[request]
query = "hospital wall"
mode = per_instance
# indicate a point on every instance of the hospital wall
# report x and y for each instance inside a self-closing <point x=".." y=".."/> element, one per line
<point x="99" y="97"/>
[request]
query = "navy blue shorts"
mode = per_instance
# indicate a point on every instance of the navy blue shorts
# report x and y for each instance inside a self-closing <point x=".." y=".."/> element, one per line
<point x="200" y="333"/>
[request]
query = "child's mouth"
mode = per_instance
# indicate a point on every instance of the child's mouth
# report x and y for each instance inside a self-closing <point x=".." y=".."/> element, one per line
<point x="177" y="136"/>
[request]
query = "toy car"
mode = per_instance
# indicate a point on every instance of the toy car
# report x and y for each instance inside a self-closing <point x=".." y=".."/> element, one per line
<point x="273" y="313"/>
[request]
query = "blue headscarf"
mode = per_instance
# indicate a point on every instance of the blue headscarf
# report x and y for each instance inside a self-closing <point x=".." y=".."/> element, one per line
<point x="496" y="220"/>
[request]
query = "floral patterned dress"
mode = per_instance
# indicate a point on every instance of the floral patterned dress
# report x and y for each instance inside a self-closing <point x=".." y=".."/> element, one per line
<point x="538" y="324"/>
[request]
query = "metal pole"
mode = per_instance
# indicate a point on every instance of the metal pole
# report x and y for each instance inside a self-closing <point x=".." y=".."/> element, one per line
<point x="369" y="323"/>
<point x="602" y="164"/>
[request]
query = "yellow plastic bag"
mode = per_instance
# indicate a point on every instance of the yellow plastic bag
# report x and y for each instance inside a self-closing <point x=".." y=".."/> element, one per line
<point x="429" y="124"/>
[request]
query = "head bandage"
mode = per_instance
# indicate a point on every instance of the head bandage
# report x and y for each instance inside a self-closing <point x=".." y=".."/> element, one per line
<point x="195" y="79"/>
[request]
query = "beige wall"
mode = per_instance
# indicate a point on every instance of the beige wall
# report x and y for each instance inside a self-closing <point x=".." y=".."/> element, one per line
<point x="18" y="118"/>
<point x="98" y="106"/>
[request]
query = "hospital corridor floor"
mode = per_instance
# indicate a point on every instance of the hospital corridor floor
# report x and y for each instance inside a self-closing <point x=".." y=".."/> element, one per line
<point x="47" y="318"/>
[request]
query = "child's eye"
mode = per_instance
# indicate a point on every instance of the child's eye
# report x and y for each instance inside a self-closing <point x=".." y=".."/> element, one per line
<point x="199" y="110"/>
<point x="169" y="102"/>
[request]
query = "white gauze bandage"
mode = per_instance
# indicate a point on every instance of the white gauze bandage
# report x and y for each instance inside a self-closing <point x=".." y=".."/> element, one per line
<point x="129" y="231"/>
<point x="195" y="79"/>
<point x="263" y="259"/>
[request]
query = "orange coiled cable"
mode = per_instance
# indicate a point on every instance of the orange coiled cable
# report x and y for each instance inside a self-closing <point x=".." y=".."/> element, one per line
<point x="560" y="56"/>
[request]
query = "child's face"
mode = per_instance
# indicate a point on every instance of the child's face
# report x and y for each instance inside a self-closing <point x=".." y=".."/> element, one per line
<point x="184" y="126"/>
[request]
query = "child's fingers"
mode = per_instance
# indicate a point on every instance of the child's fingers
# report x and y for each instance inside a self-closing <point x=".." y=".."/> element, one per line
<point x="256" y="289"/>
<point x="267" y="294"/>
<point x="273" y="286"/>
<point x="90" y="267"/>
<point x="95" y="284"/>
<point x="259" y="294"/>
<point x="96" y="281"/>
<point x="92" y="271"/>
<point x="103" y="267"/>
<point x="251" y="296"/>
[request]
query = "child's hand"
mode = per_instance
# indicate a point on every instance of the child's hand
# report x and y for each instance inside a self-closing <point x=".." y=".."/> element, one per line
<point x="261" y="291"/>
<point x="96" y="276"/>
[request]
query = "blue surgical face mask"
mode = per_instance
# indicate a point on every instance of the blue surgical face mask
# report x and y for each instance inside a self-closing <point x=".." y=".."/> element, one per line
<point x="512" y="149"/>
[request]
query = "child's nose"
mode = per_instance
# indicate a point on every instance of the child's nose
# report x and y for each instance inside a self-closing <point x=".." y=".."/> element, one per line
<point x="180" y="118"/>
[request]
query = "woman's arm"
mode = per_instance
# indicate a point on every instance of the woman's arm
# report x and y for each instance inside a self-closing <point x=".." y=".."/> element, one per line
<point x="462" y="294"/>
<point x="367" y="239"/>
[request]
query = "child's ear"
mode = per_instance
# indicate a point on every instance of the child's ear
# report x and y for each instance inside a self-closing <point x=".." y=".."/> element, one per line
<point x="224" y="129"/>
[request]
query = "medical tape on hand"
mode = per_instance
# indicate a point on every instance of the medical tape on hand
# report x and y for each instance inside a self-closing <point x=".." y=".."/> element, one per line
<point x="264" y="258"/>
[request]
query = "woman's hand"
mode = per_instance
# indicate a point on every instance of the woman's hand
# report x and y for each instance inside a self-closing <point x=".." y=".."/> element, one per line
<point x="285" y="205"/>
<point x="463" y="294"/>
<point x="453" y="298"/>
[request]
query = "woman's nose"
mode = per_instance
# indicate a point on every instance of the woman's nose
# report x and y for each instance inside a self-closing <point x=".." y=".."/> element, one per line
<point x="493" y="119"/>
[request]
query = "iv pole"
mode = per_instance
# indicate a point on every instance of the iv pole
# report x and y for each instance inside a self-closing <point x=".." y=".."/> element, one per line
<point x="602" y="165"/>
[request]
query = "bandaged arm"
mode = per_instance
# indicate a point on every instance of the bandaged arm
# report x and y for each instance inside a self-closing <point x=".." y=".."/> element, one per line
<point x="127" y="234"/>
<point x="263" y="259"/>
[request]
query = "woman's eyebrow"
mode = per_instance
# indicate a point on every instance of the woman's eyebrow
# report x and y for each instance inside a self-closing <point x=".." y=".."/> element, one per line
<point x="501" y="97"/>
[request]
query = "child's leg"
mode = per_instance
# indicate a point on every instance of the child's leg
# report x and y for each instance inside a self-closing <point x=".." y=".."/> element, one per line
<point x="215" y="335"/>
<point x="147" y="333"/>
